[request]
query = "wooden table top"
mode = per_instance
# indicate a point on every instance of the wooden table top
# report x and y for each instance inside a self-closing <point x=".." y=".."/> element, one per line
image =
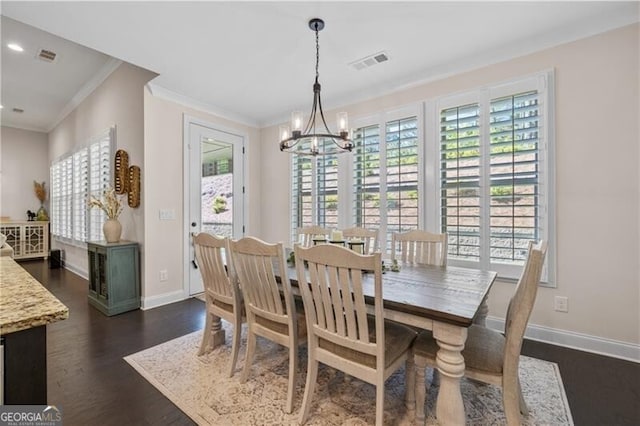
<point x="448" y="294"/>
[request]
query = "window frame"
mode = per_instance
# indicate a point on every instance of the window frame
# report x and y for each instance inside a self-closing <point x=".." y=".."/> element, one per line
<point x="427" y="113"/>
<point x="90" y="215"/>
<point x="381" y="120"/>
<point x="543" y="83"/>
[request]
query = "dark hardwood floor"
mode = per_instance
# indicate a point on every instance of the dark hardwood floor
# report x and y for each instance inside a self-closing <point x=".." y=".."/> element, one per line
<point x="93" y="385"/>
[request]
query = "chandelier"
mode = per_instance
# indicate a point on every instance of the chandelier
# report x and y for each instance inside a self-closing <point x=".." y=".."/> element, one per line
<point x="316" y="138"/>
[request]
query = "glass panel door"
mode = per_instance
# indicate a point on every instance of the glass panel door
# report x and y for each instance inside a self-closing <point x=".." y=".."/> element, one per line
<point x="215" y="189"/>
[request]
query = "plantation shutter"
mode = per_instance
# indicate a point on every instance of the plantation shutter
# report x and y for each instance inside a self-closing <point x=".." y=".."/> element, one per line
<point x="74" y="178"/>
<point x="327" y="189"/>
<point x="55" y="198"/>
<point x="460" y="197"/>
<point x="80" y="187"/>
<point x="496" y="174"/>
<point x="366" y="177"/>
<point x="301" y="193"/>
<point x="514" y="175"/>
<point x="402" y="175"/>
<point x="66" y="198"/>
<point x="99" y="180"/>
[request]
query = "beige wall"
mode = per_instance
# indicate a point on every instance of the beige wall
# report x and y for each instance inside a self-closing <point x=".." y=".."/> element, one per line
<point x="163" y="189"/>
<point x="118" y="102"/>
<point x="24" y="157"/>
<point x="597" y="186"/>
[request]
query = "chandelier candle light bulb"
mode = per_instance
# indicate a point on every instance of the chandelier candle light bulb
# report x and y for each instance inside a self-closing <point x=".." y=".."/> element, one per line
<point x="284" y="132"/>
<point x="343" y="123"/>
<point x="296" y="122"/>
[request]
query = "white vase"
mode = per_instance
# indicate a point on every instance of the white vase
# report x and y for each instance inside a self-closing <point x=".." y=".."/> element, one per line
<point x="112" y="230"/>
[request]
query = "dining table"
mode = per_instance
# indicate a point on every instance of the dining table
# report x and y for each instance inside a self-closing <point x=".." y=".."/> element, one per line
<point x="444" y="299"/>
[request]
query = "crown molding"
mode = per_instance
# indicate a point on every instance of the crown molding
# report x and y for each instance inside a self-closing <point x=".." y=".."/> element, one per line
<point x="22" y="127"/>
<point x="91" y="85"/>
<point x="161" y="92"/>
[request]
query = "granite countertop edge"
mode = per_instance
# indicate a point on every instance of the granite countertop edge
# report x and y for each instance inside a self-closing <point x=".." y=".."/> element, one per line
<point x="24" y="302"/>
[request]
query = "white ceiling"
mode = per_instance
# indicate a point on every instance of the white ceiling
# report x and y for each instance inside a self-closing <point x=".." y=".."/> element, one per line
<point x="254" y="61"/>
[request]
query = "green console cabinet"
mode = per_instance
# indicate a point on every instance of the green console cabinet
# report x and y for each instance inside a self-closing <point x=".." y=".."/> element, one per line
<point x="114" y="276"/>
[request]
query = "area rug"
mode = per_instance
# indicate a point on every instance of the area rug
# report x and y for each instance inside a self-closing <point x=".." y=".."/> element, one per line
<point x="200" y="386"/>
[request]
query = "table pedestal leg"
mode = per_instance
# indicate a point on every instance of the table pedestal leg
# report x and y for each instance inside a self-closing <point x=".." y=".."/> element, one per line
<point x="217" y="333"/>
<point x="449" y="406"/>
<point x="213" y="334"/>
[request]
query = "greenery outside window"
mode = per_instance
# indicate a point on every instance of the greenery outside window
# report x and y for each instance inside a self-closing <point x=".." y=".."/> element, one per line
<point x="385" y="177"/>
<point x="314" y="192"/>
<point x="495" y="173"/>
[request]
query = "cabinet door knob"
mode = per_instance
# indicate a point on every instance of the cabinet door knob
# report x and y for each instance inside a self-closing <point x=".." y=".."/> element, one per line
<point x="193" y="224"/>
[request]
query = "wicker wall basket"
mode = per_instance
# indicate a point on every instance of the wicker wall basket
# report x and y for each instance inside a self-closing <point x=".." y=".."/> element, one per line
<point x="121" y="173"/>
<point x="133" y="196"/>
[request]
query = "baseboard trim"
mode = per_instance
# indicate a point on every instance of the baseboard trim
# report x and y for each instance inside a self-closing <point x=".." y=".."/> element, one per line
<point x="162" y="299"/>
<point x="573" y="340"/>
<point x="78" y="271"/>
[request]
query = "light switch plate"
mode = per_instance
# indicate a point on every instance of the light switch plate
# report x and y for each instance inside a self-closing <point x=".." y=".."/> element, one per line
<point x="167" y="214"/>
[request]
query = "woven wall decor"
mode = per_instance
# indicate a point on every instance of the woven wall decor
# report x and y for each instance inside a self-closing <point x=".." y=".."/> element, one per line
<point x="133" y="196"/>
<point x="121" y="173"/>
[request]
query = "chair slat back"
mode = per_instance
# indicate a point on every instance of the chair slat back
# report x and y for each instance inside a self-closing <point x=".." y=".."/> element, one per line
<point x="368" y="236"/>
<point x="421" y="247"/>
<point x="255" y="262"/>
<point x="521" y="303"/>
<point x="212" y="254"/>
<point x="334" y="298"/>
<point x="306" y="234"/>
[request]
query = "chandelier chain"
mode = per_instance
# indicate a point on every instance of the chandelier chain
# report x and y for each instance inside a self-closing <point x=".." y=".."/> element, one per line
<point x="317" y="54"/>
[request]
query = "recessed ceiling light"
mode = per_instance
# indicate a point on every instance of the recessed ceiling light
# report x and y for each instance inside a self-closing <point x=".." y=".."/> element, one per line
<point x="15" y="47"/>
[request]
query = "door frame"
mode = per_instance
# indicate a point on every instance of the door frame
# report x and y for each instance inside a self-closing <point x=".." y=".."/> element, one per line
<point x="186" y="180"/>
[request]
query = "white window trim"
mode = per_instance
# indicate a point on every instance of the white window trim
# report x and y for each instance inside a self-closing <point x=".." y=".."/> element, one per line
<point x="111" y="133"/>
<point x="381" y="119"/>
<point x="544" y="83"/>
<point x="428" y="164"/>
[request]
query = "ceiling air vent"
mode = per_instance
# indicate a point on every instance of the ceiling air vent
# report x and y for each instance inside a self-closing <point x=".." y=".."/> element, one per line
<point x="46" y="55"/>
<point x="369" y="61"/>
<point x="18" y="110"/>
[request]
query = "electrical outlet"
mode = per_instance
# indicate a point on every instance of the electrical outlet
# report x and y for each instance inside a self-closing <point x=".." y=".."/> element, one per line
<point x="561" y="304"/>
<point x="164" y="275"/>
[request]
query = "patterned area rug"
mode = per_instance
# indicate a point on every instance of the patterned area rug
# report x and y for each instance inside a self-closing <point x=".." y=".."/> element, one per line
<point x="199" y="386"/>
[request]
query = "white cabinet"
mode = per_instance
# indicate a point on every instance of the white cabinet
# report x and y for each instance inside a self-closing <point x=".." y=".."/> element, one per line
<point x="28" y="239"/>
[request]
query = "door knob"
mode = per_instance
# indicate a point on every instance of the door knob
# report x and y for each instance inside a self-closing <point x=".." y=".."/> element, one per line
<point x="193" y="224"/>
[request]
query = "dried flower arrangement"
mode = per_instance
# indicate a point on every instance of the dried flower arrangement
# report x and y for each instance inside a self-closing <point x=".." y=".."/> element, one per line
<point x="112" y="204"/>
<point x="41" y="193"/>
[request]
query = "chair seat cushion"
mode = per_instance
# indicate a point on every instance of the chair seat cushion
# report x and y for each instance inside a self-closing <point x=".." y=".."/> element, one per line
<point x="484" y="349"/>
<point x="283" y="329"/>
<point x="227" y="307"/>
<point x="397" y="339"/>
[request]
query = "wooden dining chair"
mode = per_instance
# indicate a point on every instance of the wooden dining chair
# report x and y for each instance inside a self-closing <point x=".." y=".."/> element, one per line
<point x="340" y="334"/>
<point x="306" y="234"/>
<point x="222" y="294"/>
<point x="270" y="306"/>
<point x="368" y="236"/>
<point x="419" y="246"/>
<point x="489" y="356"/>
